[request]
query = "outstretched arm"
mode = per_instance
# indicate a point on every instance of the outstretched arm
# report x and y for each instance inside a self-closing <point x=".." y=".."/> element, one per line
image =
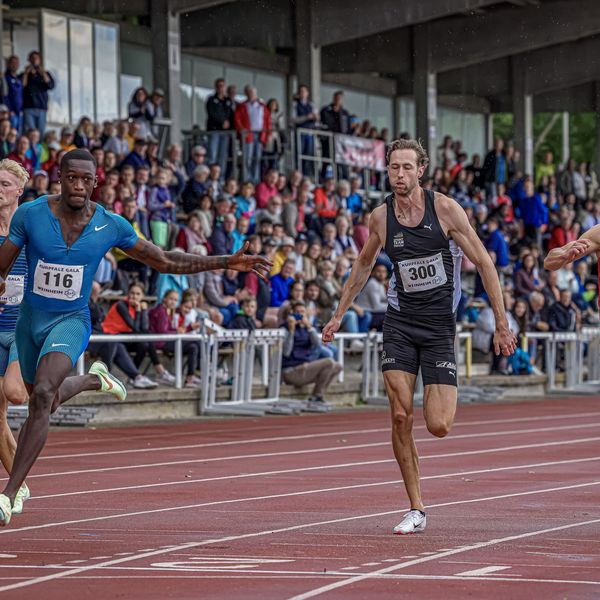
<point x="559" y="257"/>
<point x="184" y="263"/>
<point x="463" y="234"/>
<point x="361" y="270"/>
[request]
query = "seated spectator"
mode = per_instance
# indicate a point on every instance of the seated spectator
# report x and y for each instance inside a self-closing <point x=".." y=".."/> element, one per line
<point x="214" y="292"/>
<point x="361" y="230"/>
<point x="300" y="342"/>
<point x="329" y="235"/>
<point x="191" y="234"/>
<point x="326" y="207"/>
<point x="206" y="215"/>
<point x="118" y="143"/>
<point x="137" y="157"/>
<point x="246" y="202"/>
<point x="551" y="290"/>
<point x="230" y="190"/>
<point x="566" y="279"/>
<point x="141" y="194"/>
<point x="526" y="278"/>
<point x="67" y="135"/>
<point x="300" y="249"/>
<point x="355" y="199"/>
<point x="563" y="232"/>
<point x="40" y="183"/>
<point x="222" y="238"/>
<point x="265" y="229"/>
<point x="213" y="183"/>
<point x="190" y="318"/>
<point x="107" y="198"/>
<point x="240" y="233"/>
<point x="246" y="317"/>
<point x="343" y="237"/>
<point x="373" y="297"/>
<point x="296" y="293"/>
<point x="483" y="334"/>
<point x="161" y="211"/>
<point x="84" y="133"/>
<point x="311" y="260"/>
<point x="273" y="211"/>
<point x="562" y="315"/>
<point x="35" y="149"/>
<point x="126" y="265"/>
<point x="196" y="283"/>
<point x="267" y="188"/>
<point x="164" y="319"/>
<point x="281" y="283"/>
<point x="278" y="233"/>
<point x="284" y="252"/>
<point x="497" y="244"/>
<point x="196" y="160"/>
<point x="116" y="353"/>
<point x="19" y="154"/>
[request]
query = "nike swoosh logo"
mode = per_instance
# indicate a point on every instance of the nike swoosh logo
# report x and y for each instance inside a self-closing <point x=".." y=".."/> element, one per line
<point x="57" y="345"/>
<point x="99" y="228"/>
<point x="107" y="381"/>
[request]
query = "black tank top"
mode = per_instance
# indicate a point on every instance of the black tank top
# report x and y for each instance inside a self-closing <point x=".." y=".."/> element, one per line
<point x="425" y="285"/>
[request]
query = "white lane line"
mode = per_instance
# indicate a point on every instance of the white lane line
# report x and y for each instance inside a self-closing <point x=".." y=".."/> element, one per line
<point x="482" y="571"/>
<point x="188" y="545"/>
<point x="337" y="448"/>
<point x="306" y="436"/>
<point x="269" y="497"/>
<point x="404" y="565"/>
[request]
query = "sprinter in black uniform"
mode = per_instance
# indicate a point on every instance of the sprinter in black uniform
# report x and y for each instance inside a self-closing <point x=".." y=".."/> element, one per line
<point x="424" y="234"/>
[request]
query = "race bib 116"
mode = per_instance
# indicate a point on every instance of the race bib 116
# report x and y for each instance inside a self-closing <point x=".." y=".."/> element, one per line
<point x="61" y="282"/>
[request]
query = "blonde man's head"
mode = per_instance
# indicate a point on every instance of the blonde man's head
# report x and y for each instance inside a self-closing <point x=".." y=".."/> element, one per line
<point x="14" y="168"/>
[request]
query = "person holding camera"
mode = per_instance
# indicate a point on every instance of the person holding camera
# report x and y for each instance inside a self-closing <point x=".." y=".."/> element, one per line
<point x="36" y="83"/>
<point x="301" y="340"/>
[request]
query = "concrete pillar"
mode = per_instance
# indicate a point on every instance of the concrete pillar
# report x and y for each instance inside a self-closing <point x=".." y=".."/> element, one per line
<point x="522" y="102"/>
<point x="597" y="111"/>
<point x="566" y="140"/>
<point x="425" y="92"/>
<point x="308" y="54"/>
<point x="166" y="57"/>
<point x="489" y="131"/>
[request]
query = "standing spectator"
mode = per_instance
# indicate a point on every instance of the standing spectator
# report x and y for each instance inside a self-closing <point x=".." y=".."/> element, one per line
<point x="273" y="149"/>
<point x="219" y="109"/>
<point x="197" y="159"/>
<point x="36" y="83"/>
<point x="545" y="169"/>
<point x="305" y="116"/>
<point x="497" y="243"/>
<point x="527" y="278"/>
<point x="533" y="213"/>
<point x="156" y="109"/>
<point x="494" y="168"/>
<point x="253" y="124"/>
<point x="118" y="142"/>
<point x="14" y="92"/>
<point x="161" y="210"/>
<point x="139" y="110"/>
<point x="335" y="118"/>
<point x="232" y="95"/>
<point x="299" y="345"/>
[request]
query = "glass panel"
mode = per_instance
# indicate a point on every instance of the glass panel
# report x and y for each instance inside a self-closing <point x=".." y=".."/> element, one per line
<point x="107" y="70"/>
<point x="56" y="61"/>
<point x="407" y="116"/>
<point x="205" y="73"/>
<point x="239" y="77"/>
<point x="129" y="83"/>
<point x="272" y="86"/>
<point x="137" y="60"/>
<point x="201" y="95"/>
<point x="25" y="38"/>
<point x="186" y="92"/>
<point x="380" y="112"/>
<point x="82" y="74"/>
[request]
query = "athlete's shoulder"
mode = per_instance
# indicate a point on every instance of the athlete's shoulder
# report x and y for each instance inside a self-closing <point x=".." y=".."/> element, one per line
<point x="446" y="206"/>
<point x="378" y="215"/>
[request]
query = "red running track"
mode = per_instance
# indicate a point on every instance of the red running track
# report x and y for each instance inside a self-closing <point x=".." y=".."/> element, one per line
<point x="303" y="507"/>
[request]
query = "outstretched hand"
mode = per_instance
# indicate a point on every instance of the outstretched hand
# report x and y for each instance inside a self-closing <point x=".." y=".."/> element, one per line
<point x="505" y="342"/>
<point x="576" y="249"/>
<point x="330" y="329"/>
<point x="240" y="261"/>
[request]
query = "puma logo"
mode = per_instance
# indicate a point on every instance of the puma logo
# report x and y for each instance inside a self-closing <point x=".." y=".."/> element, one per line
<point x="428" y="226"/>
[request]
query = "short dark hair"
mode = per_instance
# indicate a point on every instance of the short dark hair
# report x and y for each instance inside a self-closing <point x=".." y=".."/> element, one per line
<point x="77" y="154"/>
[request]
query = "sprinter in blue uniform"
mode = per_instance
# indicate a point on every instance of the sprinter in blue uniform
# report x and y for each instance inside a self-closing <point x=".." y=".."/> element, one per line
<point x="65" y="236"/>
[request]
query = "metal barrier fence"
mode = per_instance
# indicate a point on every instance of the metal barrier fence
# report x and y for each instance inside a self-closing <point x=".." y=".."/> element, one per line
<point x="243" y="348"/>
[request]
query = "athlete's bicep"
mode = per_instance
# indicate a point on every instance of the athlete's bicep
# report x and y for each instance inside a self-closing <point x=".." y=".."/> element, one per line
<point x="9" y="253"/>
<point x="147" y="253"/>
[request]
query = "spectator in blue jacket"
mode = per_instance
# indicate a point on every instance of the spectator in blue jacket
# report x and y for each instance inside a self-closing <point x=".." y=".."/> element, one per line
<point x="280" y="283"/>
<point x="137" y="157"/>
<point x="533" y="212"/>
<point x="36" y="83"/>
<point x="222" y="238"/>
<point x="497" y="244"/>
<point x="14" y="92"/>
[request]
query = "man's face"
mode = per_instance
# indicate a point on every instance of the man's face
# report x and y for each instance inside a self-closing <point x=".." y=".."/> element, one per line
<point x="141" y="149"/>
<point x="229" y="223"/>
<point x="35" y="59"/>
<point x="220" y="87"/>
<point x="272" y="177"/>
<point x="142" y="176"/>
<point x="215" y="172"/>
<point x="403" y="172"/>
<point x="122" y="128"/>
<point x="199" y="156"/>
<point x="243" y="224"/>
<point x="301" y="247"/>
<point x="565" y="297"/>
<point x="10" y="189"/>
<point x="13" y="64"/>
<point x="22" y="145"/>
<point x="266" y="228"/>
<point x="329" y="186"/>
<point x="127" y="176"/>
<point x="40" y="183"/>
<point x="250" y="309"/>
<point x="287" y="270"/>
<point x="129" y="210"/>
<point x="99" y="156"/>
<point x="380" y="273"/>
<point x="77" y="183"/>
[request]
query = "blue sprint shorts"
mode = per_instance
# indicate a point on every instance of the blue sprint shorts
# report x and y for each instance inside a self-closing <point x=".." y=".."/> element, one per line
<point x="40" y="332"/>
<point x="8" y="350"/>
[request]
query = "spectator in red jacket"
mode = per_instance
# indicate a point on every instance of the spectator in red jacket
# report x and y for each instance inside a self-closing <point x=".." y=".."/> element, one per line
<point x="20" y="154"/>
<point x="563" y="233"/>
<point x="253" y="124"/>
<point x="267" y="188"/>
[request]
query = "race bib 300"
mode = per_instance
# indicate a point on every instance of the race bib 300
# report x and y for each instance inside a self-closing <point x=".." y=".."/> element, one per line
<point x="419" y="274"/>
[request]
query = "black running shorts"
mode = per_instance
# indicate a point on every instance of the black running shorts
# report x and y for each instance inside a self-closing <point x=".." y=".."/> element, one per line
<point x="408" y="346"/>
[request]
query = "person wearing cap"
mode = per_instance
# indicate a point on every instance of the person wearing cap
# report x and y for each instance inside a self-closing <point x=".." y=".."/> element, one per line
<point x="284" y="252"/>
<point x="36" y="84"/>
<point x="66" y="139"/>
<point x="118" y="142"/>
<point x="137" y="157"/>
<point x="300" y="249"/>
<point x="265" y="228"/>
<point x="140" y="112"/>
<point x="14" y="91"/>
<point x="40" y="182"/>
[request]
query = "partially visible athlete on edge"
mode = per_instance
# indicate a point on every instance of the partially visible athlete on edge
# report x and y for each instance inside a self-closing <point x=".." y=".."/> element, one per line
<point x="65" y="237"/>
<point x="423" y="234"/>
<point x="13" y="178"/>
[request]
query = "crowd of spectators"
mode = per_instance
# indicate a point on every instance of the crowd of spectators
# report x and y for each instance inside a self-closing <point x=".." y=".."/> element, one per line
<point x="312" y="232"/>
